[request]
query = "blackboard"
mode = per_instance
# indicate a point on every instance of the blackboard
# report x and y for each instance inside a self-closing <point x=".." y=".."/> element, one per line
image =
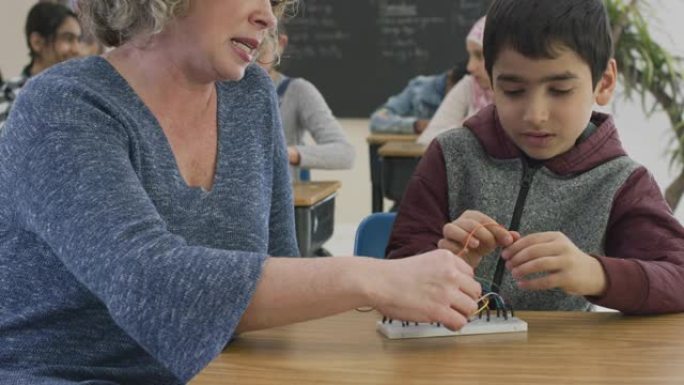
<point x="359" y="52"/>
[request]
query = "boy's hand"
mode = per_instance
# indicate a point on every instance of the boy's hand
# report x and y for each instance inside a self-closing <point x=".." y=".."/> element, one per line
<point x="420" y="125"/>
<point x="487" y="235"/>
<point x="567" y="267"/>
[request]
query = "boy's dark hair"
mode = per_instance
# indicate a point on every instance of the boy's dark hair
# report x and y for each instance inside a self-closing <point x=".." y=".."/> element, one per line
<point x="535" y="27"/>
<point x="45" y="19"/>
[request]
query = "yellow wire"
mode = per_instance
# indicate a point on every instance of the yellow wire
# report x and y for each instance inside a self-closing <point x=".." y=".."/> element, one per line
<point x="486" y="305"/>
<point x="485" y="298"/>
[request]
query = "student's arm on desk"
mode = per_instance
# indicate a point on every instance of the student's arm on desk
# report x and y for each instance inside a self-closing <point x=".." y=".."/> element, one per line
<point x="646" y="273"/>
<point x="332" y="149"/>
<point x="433" y="287"/>
<point x="396" y="115"/>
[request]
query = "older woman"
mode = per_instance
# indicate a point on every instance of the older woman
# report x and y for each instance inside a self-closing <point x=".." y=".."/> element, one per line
<point x="142" y="194"/>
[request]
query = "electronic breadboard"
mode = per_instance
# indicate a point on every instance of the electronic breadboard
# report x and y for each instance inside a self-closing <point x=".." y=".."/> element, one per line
<point x="397" y="329"/>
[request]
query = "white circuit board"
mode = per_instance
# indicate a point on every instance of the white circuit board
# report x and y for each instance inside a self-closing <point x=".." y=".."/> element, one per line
<point x="396" y="330"/>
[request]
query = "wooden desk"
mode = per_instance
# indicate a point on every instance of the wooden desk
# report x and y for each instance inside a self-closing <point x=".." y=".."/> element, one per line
<point x="375" y="141"/>
<point x="559" y="348"/>
<point x="398" y="161"/>
<point x="314" y="214"/>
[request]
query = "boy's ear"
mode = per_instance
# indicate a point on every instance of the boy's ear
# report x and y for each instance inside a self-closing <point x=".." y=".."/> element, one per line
<point x="606" y="86"/>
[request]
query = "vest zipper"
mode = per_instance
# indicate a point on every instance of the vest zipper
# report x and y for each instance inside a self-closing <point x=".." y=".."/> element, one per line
<point x="529" y="169"/>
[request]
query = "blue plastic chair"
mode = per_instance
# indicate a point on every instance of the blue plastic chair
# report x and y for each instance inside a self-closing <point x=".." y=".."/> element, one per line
<point x="373" y="234"/>
<point x="304" y="174"/>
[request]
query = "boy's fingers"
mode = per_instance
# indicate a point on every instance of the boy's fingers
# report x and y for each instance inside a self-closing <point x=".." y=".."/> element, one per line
<point x="478" y="217"/>
<point x="454" y="232"/>
<point x="449" y="245"/>
<point x="547" y="282"/>
<point x="524" y="243"/>
<point x="457" y="233"/>
<point x="533" y="252"/>
<point x="502" y="235"/>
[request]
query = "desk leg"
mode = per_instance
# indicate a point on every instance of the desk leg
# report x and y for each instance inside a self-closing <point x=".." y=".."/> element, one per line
<point x="376" y="178"/>
<point x="396" y="174"/>
<point x="303" y="230"/>
<point x="314" y="226"/>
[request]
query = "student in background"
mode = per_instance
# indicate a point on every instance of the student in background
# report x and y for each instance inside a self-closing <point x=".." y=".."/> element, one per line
<point x="304" y="110"/>
<point x="143" y="195"/>
<point x="89" y="44"/>
<point x="410" y="111"/>
<point x="53" y="35"/>
<point x="66" y="3"/>
<point x="472" y="93"/>
<point x="545" y="178"/>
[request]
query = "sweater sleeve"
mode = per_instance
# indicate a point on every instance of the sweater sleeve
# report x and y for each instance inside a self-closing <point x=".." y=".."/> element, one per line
<point x="645" y="247"/>
<point x="76" y="189"/>
<point x="332" y="149"/>
<point x="397" y="115"/>
<point x="451" y="112"/>
<point x="282" y="238"/>
<point x="424" y="209"/>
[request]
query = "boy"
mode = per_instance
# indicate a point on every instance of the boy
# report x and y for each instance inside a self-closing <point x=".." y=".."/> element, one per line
<point x="541" y="176"/>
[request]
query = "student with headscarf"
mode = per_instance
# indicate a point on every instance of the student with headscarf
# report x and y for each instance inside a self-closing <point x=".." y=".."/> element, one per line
<point x="472" y="93"/>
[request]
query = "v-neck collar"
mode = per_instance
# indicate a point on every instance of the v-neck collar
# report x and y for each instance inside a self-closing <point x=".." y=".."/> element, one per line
<point x="161" y="136"/>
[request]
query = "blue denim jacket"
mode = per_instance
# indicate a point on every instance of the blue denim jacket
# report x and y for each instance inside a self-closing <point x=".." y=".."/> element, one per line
<point x="419" y="100"/>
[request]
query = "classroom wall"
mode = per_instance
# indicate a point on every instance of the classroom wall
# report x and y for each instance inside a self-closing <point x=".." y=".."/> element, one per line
<point x="646" y="139"/>
<point x="12" y="43"/>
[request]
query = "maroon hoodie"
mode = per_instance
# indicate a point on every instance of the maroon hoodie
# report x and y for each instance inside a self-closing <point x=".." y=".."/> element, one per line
<point x="640" y="244"/>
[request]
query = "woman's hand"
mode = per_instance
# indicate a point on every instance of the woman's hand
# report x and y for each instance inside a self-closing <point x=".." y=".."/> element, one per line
<point x="433" y="287"/>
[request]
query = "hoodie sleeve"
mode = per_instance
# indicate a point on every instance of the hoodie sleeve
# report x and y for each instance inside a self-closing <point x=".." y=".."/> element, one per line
<point x="645" y="244"/>
<point x="424" y="209"/>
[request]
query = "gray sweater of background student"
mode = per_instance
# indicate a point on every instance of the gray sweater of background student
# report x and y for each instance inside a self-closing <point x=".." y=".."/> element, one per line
<point x="112" y="269"/>
<point x="303" y="109"/>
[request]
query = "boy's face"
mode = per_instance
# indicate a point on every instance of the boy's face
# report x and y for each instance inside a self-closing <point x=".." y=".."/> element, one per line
<point x="544" y="105"/>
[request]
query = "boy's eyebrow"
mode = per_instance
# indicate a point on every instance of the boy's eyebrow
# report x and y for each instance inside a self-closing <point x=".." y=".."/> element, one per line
<point x="511" y="78"/>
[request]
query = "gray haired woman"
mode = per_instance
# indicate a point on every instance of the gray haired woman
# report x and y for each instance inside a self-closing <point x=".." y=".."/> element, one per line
<point x="143" y="194"/>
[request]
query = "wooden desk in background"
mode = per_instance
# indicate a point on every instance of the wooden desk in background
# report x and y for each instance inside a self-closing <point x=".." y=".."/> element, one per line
<point x="398" y="161"/>
<point x="314" y="214"/>
<point x="375" y="141"/>
<point x="559" y="348"/>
